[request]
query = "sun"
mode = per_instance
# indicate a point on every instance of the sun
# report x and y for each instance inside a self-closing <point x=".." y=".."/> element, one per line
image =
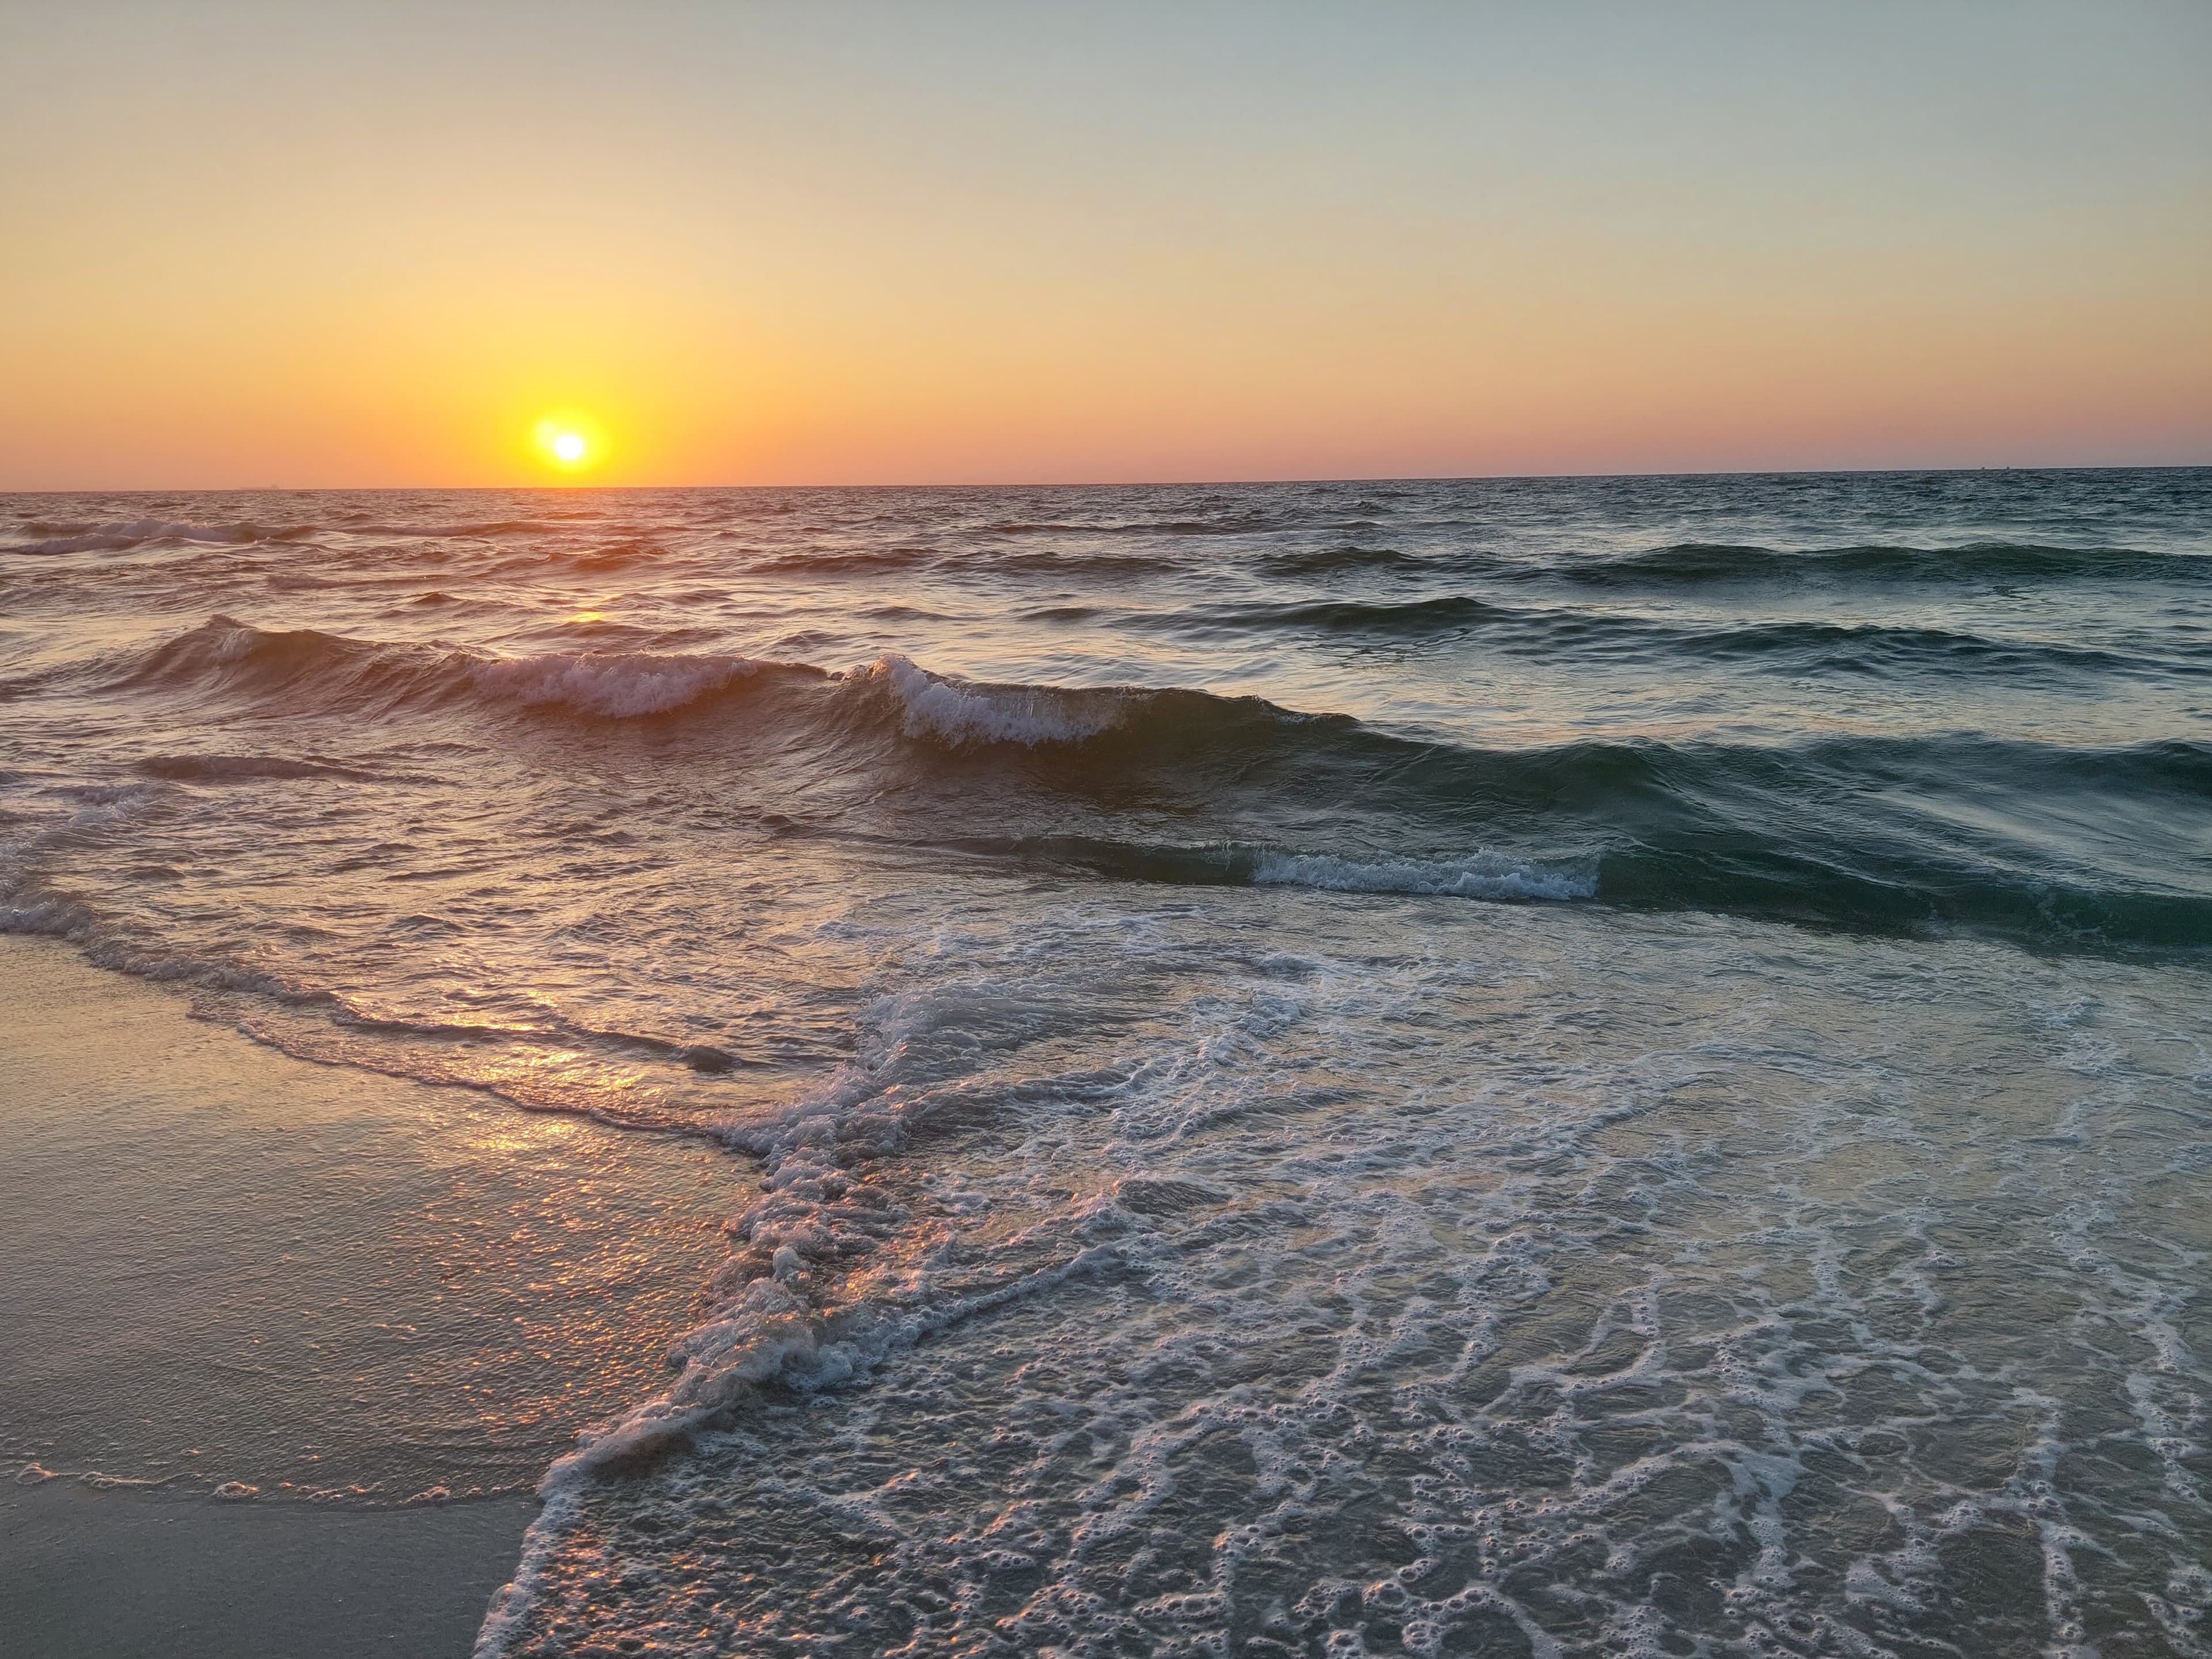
<point x="567" y="443"/>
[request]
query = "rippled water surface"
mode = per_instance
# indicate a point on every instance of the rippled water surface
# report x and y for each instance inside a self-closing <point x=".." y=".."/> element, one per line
<point x="1573" y="1066"/>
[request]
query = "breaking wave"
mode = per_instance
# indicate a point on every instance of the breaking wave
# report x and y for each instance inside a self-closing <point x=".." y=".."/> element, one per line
<point x="957" y="713"/>
<point x="2044" y="843"/>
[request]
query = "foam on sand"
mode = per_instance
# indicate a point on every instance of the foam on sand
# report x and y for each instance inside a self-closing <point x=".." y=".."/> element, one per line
<point x="1344" y="1304"/>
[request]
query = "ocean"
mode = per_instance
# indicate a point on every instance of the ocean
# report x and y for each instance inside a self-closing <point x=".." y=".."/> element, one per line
<point x="1551" y="1066"/>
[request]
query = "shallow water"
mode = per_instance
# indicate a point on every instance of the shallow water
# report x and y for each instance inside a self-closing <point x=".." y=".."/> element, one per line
<point x="1565" y="1066"/>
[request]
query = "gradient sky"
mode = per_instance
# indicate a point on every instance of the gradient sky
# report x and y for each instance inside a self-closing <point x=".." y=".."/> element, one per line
<point x="323" y="243"/>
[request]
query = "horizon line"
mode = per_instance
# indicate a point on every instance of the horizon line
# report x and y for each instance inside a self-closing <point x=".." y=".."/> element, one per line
<point x="1124" y="484"/>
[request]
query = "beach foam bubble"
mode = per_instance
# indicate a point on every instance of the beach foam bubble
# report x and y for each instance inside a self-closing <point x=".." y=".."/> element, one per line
<point x="1403" y="1329"/>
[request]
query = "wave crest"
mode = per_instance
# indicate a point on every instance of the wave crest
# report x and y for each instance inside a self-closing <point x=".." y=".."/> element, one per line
<point x="619" y="685"/>
<point x="116" y="537"/>
<point x="226" y="654"/>
<point x="956" y="712"/>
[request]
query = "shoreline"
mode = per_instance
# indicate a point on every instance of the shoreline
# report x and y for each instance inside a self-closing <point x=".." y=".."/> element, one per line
<point x="230" y="1266"/>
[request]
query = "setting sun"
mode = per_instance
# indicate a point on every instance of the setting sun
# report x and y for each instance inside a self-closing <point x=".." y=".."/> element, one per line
<point x="565" y="443"/>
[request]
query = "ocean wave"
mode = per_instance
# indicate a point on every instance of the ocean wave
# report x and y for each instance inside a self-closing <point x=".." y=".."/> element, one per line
<point x="1078" y="566"/>
<point x="618" y="686"/>
<point x="1844" y="647"/>
<point x="1483" y="874"/>
<point x="2077" y="849"/>
<point x="2061" y="847"/>
<point x="234" y="768"/>
<point x="625" y="555"/>
<point x="829" y="1272"/>
<point x="1866" y="646"/>
<point x="1234" y="524"/>
<point x="339" y="672"/>
<point x="1329" y="561"/>
<point x="844" y="562"/>
<point x="1070" y="564"/>
<point x="1411" y="618"/>
<point x="990" y="561"/>
<point x="958" y="713"/>
<point x="463" y="531"/>
<point x="1986" y="561"/>
<point x="118" y="536"/>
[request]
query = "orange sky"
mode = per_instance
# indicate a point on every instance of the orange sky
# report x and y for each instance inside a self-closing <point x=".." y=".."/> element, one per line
<point x="377" y="244"/>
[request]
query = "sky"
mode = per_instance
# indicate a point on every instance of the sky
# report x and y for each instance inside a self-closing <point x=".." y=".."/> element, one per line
<point x="342" y="244"/>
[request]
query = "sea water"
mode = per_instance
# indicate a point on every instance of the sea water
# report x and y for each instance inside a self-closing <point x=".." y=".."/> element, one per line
<point x="1548" y="1067"/>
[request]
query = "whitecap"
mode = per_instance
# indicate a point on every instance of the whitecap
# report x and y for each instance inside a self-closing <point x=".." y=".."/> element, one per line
<point x="956" y="713"/>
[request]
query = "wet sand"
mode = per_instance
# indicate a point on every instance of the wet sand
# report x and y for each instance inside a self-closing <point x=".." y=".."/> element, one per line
<point x="341" y="1290"/>
<point x="118" y="1575"/>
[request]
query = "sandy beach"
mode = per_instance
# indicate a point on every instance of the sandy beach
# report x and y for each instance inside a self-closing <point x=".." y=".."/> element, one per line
<point x="229" y="1269"/>
<point x="86" y="1572"/>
